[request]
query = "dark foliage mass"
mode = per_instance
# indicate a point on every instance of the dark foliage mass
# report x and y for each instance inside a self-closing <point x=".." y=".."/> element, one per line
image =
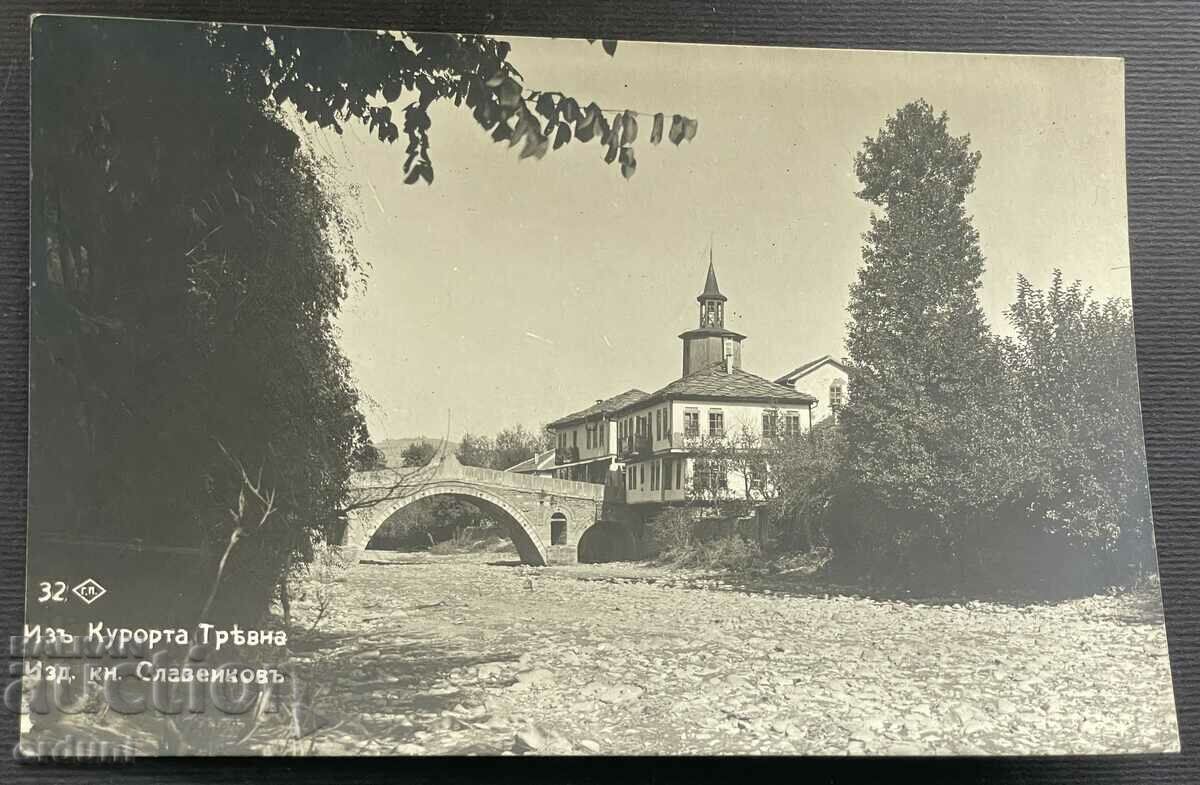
<point x="970" y="458"/>
<point x="186" y="268"/>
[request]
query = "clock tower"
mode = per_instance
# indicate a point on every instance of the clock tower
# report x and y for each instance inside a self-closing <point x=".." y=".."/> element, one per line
<point x="711" y="344"/>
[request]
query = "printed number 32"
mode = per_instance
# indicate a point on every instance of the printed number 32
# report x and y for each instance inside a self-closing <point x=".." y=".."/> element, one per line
<point x="52" y="592"/>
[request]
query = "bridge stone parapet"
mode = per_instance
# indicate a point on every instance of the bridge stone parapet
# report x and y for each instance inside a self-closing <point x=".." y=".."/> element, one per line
<point x="545" y="517"/>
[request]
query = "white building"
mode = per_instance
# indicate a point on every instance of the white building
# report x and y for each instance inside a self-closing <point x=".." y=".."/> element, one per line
<point x="647" y="443"/>
<point x="825" y="379"/>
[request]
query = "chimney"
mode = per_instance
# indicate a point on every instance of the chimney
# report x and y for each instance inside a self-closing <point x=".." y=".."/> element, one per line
<point x="729" y="363"/>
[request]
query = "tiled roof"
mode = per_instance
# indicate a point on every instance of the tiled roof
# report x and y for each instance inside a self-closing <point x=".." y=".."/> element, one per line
<point x="603" y="407"/>
<point x="796" y="373"/>
<point x="715" y="384"/>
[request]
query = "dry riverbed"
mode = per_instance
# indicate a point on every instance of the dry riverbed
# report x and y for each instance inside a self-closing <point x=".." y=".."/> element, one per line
<point x="464" y="654"/>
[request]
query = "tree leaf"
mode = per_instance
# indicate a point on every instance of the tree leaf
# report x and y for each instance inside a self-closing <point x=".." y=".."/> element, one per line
<point x="611" y="154"/>
<point x="535" y="145"/>
<point x="605" y="130"/>
<point x="657" y="129"/>
<point x="629" y="128"/>
<point x="689" y="128"/>
<point x="610" y="46"/>
<point x="508" y="94"/>
<point x="586" y="128"/>
<point x="676" y="132"/>
<point x="628" y="162"/>
<point x="525" y="125"/>
<point x="562" y="136"/>
<point x="545" y="105"/>
<point x="568" y="108"/>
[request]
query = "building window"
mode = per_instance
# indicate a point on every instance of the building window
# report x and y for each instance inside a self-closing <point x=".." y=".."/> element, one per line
<point x="654" y="476"/>
<point x="710" y="477"/>
<point x="770" y="423"/>
<point x="679" y="475"/>
<point x="558" y="529"/>
<point x="791" y="424"/>
<point x="691" y="422"/>
<point x="666" y="477"/>
<point x="716" y="423"/>
<point x="575" y="438"/>
<point x="837" y="394"/>
<point x="728" y="347"/>
<point x="641" y="475"/>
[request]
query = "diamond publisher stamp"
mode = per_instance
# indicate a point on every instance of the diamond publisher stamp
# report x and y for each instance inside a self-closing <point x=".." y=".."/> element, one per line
<point x="89" y="591"/>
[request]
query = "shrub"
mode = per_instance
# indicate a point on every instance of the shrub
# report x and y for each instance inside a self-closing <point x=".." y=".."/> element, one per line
<point x="730" y="554"/>
<point x="673" y="530"/>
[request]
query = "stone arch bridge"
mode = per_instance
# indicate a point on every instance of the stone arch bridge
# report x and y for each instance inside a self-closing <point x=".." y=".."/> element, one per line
<point x="546" y="518"/>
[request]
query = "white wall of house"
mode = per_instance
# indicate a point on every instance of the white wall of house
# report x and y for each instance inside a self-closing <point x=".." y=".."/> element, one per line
<point x="646" y="479"/>
<point x="602" y="443"/>
<point x="667" y="421"/>
<point x="737" y="418"/>
<point x="817" y="384"/>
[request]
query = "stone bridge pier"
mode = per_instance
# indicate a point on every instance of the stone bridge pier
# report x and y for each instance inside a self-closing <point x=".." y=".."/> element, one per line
<point x="546" y="518"/>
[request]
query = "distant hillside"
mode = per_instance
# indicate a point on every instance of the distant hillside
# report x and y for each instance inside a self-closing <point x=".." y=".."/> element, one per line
<point x="392" y="449"/>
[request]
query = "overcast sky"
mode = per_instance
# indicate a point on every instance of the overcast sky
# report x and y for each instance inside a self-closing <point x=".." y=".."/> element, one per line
<point x="516" y="291"/>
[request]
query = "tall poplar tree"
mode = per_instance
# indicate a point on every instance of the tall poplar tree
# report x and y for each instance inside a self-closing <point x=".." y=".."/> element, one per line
<point x="923" y="438"/>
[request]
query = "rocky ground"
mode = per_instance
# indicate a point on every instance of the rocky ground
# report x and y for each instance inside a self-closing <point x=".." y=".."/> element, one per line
<point x="420" y="654"/>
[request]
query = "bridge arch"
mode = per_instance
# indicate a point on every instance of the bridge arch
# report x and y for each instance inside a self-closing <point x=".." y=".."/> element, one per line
<point x="520" y="529"/>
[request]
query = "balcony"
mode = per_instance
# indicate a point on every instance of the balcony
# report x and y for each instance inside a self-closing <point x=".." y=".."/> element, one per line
<point x="566" y="455"/>
<point x="681" y="440"/>
<point x="640" y="446"/>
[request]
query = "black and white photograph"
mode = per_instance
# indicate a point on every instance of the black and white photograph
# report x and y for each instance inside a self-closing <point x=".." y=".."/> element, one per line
<point x="400" y="394"/>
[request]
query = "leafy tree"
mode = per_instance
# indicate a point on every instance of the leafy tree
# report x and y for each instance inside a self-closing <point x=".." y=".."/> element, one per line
<point x="1073" y="362"/>
<point x="476" y="451"/>
<point x="926" y="433"/>
<point x="418" y="454"/>
<point x="808" y="472"/>
<point x="508" y="448"/>
<point x="370" y="458"/>
<point x="187" y="265"/>
<point x="513" y="445"/>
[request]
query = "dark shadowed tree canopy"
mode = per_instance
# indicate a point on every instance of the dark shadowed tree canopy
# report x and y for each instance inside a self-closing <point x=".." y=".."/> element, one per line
<point x="418" y="454"/>
<point x="1074" y="368"/>
<point x="927" y="380"/>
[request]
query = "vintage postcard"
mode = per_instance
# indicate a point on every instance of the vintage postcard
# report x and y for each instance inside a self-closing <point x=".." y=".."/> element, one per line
<point x="397" y="393"/>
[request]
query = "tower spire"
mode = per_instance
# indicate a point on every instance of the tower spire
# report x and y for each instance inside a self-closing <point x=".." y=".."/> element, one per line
<point x="711" y="290"/>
